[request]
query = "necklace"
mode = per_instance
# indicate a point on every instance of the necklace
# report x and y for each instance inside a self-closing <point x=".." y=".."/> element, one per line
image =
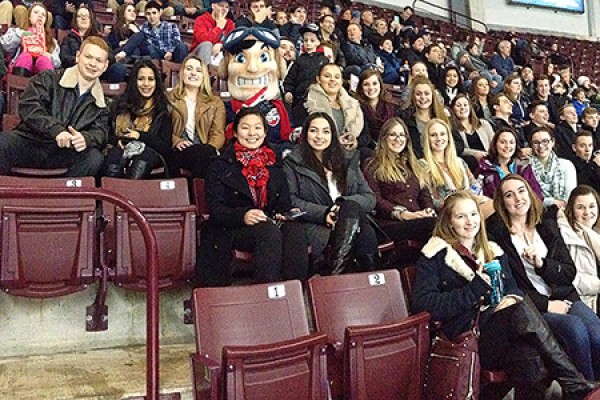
<point x="526" y="236"/>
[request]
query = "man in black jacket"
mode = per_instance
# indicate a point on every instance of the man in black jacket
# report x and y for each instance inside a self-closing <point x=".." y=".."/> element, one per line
<point x="587" y="164"/>
<point x="64" y="117"/>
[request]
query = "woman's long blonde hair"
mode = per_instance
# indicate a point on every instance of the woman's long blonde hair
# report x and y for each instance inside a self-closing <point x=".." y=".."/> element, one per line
<point x="205" y="92"/>
<point x="388" y="166"/>
<point x="437" y="109"/>
<point x="455" y="168"/>
<point x="443" y="227"/>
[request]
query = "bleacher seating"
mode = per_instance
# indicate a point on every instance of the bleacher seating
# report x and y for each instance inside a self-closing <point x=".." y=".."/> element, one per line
<point x="254" y="342"/>
<point x="167" y="206"/>
<point x="377" y="351"/>
<point x="50" y="246"/>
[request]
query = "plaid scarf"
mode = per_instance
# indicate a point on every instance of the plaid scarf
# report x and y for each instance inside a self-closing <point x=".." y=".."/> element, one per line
<point x="551" y="178"/>
<point x="254" y="168"/>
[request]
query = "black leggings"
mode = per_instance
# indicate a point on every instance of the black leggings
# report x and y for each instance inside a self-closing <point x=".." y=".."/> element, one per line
<point x="196" y="158"/>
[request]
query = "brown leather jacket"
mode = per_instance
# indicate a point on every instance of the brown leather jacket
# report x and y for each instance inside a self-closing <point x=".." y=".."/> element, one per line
<point x="210" y="121"/>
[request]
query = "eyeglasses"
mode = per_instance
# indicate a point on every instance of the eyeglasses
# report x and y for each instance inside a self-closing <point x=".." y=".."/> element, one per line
<point x="397" y="136"/>
<point x="544" y="142"/>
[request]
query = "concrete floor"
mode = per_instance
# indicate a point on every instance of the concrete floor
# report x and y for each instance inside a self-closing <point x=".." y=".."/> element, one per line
<point x="97" y="374"/>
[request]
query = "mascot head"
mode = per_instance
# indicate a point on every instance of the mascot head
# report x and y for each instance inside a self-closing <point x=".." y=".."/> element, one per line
<point x="252" y="63"/>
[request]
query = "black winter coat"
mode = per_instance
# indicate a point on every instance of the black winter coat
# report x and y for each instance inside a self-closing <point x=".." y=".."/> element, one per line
<point x="302" y="74"/>
<point x="228" y="194"/>
<point x="447" y="295"/>
<point x="158" y="136"/>
<point x="362" y="55"/>
<point x="558" y="269"/>
<point x="69" y="48"/>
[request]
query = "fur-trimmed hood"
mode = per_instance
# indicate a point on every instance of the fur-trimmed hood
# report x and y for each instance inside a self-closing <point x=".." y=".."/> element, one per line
<point x="452" y="259"/>
<point x="317" y="101"/>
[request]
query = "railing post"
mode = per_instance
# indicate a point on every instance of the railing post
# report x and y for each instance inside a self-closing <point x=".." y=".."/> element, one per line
<point x="152" y="299"/>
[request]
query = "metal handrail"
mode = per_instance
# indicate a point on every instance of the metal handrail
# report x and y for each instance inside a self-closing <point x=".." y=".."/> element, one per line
<point x="453" y="13"/>
<point x="152" y="338"/>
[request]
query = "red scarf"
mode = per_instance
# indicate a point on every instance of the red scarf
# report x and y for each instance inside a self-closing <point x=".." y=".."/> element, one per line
<point x="254" y="168"/>
<point x="285" y="129"/>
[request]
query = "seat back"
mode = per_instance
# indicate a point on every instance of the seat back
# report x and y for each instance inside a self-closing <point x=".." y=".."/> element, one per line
<point x="166" y="205"/>
<point x="256" y="316"/>
<point x="48" y="245"/>
<point x="379" y="350"/>
<point x="171" y="72"/>
<point x="15" y="86"/>
<point x="113" y="90"/>
<point x="248" y="315"/>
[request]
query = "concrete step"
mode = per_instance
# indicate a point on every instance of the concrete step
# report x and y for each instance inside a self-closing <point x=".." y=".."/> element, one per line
<point x="104" y="374"/>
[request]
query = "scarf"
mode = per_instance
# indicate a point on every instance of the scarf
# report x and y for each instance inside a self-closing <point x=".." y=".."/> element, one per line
<point x="141" y="122"/>
<point x="376" y="117"/>
<point x="254" y="168"/>
<point x="551" y="177"/>
<point x="285" y="129"/>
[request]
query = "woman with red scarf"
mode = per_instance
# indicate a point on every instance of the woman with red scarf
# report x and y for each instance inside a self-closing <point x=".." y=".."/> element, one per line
<point x="247" y="196"/>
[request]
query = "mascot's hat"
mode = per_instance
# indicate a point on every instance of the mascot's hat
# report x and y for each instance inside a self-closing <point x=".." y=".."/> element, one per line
<point x="233" y="41"/>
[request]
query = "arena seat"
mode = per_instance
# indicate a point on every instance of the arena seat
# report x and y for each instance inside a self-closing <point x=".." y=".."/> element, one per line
<point x="49" y="246"/>
<point x="261" y="334"/>
<point x="15" y="85"/>
<point x="170" y="71"/>
<point x="166" y="205"/>
<point x="113" y="90"/>
<point x="377" y="351"/>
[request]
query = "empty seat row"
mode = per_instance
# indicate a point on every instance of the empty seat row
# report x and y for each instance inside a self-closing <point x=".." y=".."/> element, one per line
<point x="53" y="247"/>
<point x="255" y="341"/>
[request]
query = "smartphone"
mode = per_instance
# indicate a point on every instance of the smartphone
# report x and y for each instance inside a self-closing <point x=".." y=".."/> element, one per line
<point x="397" y="19"/>
<point x="290" y="215"/>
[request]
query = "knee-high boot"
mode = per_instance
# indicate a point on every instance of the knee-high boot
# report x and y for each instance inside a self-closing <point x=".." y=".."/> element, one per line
<point x="531" y="326"/>
<point x="139" y="169"/>
<point x="344" y="234"/>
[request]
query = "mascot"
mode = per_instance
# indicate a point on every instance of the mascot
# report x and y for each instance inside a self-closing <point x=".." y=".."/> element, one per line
<point x="253" y="69"/>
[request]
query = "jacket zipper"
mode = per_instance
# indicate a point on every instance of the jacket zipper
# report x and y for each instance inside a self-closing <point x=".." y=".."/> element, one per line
<point x="471" y="373"/>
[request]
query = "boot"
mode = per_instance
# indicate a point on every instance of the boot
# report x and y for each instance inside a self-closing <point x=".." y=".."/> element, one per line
<point x="114" y="171"/>
<point x="529" y="324"/>
<point x="20" y="71"/>
<point x="344" y="234"/>
<point x="139" y="170"/>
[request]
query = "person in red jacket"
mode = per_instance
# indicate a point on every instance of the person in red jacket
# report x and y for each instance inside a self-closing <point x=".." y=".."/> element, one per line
<point x="209" y="30"/>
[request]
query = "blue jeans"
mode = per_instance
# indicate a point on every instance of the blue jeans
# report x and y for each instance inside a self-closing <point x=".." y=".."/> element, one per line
<point x="179" y="53"/>
<point x="135" y="46"/>
<point x="61" y="22"/>
<point x="578" y="332"/>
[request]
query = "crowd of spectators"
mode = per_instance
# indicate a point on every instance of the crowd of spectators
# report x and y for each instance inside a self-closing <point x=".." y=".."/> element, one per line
<point x="363" y="167"/>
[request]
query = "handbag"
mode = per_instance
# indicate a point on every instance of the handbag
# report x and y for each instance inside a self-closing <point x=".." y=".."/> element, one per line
<point x="453" y="370"/>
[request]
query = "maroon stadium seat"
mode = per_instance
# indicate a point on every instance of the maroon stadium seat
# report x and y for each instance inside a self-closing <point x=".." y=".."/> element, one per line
<point x="378" y="350"/>
<point x="166" y="205"/>
<point x="49" y="246"/>
<point x="261" y="334"/>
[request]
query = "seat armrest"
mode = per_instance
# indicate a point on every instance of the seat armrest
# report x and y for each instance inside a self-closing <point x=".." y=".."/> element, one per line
<point x="205" y="376"/>
<point x="382" y="329"/>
